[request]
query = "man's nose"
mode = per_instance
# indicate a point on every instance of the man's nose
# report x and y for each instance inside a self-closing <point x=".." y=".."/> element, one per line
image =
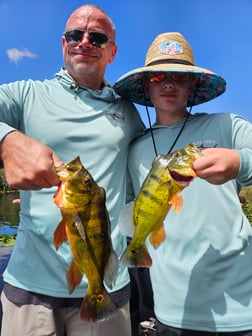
<point x="85" y="38"/>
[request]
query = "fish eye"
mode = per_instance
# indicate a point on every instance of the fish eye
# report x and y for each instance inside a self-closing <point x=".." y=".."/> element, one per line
<point x="87" y="181"/>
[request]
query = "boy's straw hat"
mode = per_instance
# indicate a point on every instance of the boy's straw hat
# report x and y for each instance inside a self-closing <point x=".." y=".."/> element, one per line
<point x="170" y="52"/>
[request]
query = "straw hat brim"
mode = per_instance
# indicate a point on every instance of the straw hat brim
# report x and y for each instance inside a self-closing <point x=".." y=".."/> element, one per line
<point x="208" y="84"/>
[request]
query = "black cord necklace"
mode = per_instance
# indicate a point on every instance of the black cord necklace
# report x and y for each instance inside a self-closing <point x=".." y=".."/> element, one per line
<point x="177" y="137"/>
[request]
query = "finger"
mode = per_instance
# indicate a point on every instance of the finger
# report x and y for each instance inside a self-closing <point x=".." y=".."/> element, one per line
<point x="33" y="185"/>
<point x="56" y="160"/>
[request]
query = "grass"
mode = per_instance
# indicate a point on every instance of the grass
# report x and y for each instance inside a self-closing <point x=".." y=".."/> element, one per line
<point x="247" y="208"/>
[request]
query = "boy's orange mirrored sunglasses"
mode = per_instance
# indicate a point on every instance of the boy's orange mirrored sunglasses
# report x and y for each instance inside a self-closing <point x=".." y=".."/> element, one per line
<point x="178" y="77"/>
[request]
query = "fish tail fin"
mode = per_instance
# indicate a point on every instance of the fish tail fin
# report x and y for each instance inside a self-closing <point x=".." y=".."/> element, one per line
<point x="111" y="269"/>
<point x="97" y="307"/>
<point x="136" y="256"/>
<point x="157" y="236"/>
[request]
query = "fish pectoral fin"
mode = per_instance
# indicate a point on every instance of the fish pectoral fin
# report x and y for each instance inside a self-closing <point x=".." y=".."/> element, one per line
<point x="79" y="226"/>
<point x="125" y="221"/>
<point x="158" y="236"/>
<point x="111" y="270"/>
<point x="176" y="202"/>
<point x="74" y="276"/>
<point x="60" y="235"/>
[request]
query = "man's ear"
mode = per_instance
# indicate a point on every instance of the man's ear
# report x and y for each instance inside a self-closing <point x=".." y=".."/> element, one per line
<point x="113" y="53"/>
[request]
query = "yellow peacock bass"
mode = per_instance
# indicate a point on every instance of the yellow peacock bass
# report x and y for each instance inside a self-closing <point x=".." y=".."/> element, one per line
<point x="160" y="191"/>
<point x="85" y="225"/>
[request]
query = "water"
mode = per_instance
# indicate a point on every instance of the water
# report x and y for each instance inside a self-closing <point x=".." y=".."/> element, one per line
<point x="6" y="228"/>
<point x="9" y="215"/>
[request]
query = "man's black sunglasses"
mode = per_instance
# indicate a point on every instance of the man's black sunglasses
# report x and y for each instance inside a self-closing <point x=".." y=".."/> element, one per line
<point x="98" y="40"/>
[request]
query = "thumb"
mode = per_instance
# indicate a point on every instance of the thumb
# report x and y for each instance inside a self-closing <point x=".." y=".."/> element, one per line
<point x="56" y="160"/>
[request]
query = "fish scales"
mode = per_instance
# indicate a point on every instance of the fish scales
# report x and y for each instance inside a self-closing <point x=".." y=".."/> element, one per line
<point x="160" y="191"/>
<point x="85" y="225"/>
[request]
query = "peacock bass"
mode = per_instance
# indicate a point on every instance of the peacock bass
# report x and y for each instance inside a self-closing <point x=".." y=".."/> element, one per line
<point x="160" y="191"/>
<point x="85" y="225"/>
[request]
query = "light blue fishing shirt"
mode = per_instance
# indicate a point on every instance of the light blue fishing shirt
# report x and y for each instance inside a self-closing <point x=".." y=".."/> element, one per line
<point x="96" y="125"/>
<point x="202" y="272"/>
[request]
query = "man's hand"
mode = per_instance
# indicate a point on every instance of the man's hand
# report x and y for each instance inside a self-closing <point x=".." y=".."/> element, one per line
<point x="28" y="164"/>
<point x="217" y="165"/>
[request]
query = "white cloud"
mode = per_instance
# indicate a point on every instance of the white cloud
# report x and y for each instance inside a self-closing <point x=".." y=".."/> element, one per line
<point x="15" y="55"/>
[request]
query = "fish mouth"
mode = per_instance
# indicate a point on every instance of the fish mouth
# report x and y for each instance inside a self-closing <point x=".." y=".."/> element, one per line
<point x="183" y="179"/>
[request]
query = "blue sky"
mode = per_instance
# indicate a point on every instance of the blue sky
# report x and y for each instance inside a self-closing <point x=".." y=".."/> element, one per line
<point x="219" y="32"/>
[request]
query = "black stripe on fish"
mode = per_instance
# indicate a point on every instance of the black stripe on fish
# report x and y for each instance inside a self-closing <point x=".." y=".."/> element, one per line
<point x="156" y="178"/>
<point x="150" y="195"/>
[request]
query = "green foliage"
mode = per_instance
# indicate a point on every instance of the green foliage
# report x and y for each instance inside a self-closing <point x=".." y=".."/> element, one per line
<point x="7" y="240"/>
<point x="247" y="208"/>
<point x="4" y="188"/>
<point x="9" y="212"/>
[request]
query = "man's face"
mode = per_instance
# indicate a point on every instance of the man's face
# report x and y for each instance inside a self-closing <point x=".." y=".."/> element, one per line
<point x="85" y="57"/>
